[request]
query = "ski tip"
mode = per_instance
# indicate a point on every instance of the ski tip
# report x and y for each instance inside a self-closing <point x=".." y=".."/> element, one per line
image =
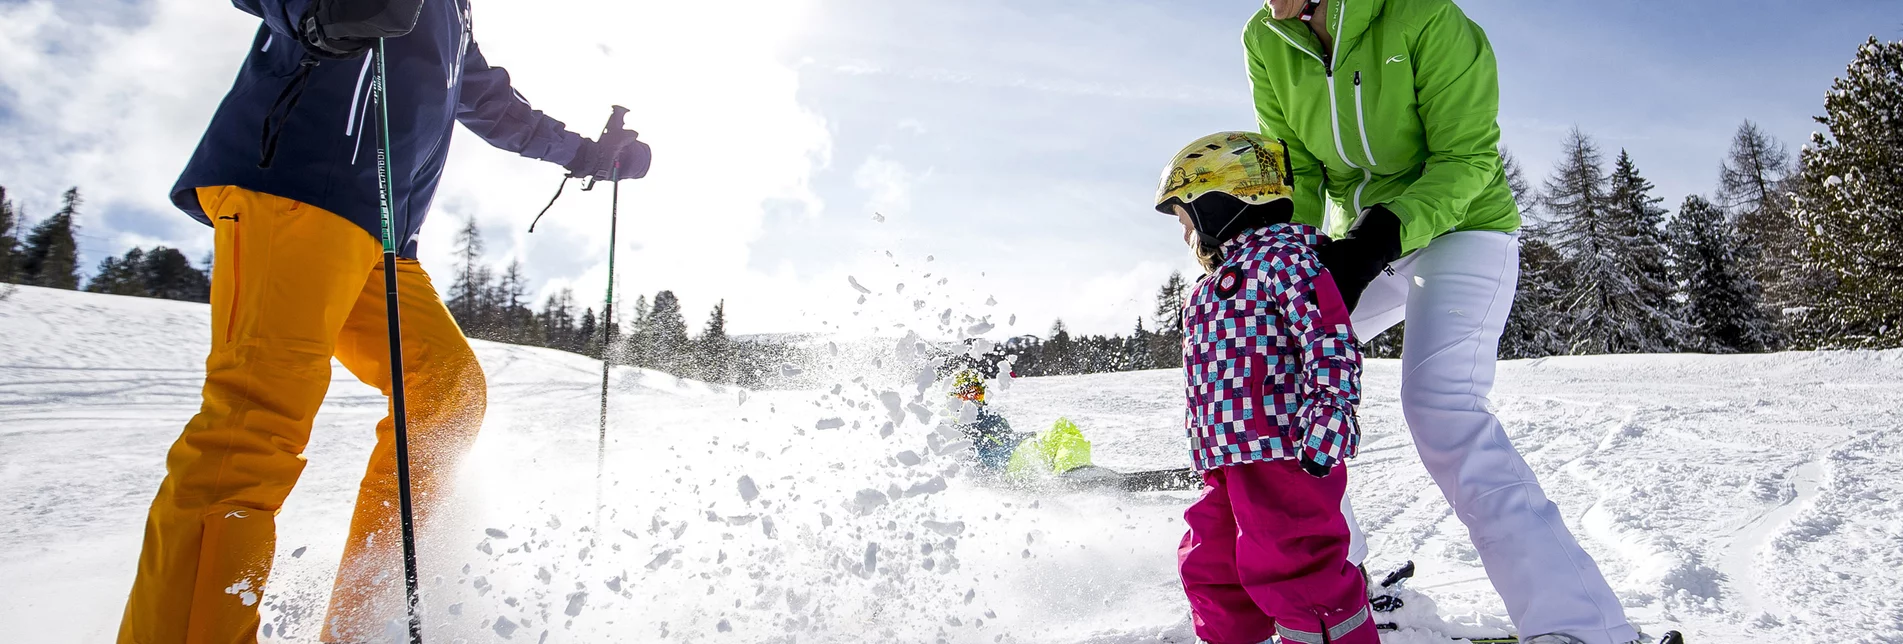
<point x="1672" y="637"/>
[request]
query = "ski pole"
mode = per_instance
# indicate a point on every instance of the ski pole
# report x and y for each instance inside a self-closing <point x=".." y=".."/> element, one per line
<point x="615" y="118"/>
<point x="381" y="95"/>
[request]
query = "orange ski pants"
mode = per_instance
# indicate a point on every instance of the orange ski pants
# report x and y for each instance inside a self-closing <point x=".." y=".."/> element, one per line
<point x="292" y="286"/>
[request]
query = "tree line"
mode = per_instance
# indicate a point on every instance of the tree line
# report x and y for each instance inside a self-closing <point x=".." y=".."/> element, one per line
<point x="48" y="255"/>
<point x="492" y="304"/>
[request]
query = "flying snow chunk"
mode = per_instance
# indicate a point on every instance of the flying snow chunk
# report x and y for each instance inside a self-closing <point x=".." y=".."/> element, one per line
<point x="909" y="458"/>
<point x="497" y="534"/>
<point x="830" y="423"/>
<point x="576" y="600"/>
<point x="878" y="217"/>
<point x="934" y="486"/>
<point x="748" y="491"/>
<point x="788" y="370"/>
<point x="907" y="348"/>
<point x="856" y="286"/>
<point x="867" y="500"/>
<point x="893" y="406"/>
<point x="924" y="415"/>
<point x="505" y="628"/>
<point x="872" y="557"/>
<point x="951" y="529"/>
<point x="967" y="413"/>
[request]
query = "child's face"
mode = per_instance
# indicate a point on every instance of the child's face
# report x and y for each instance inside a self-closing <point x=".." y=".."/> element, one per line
<point x="1189" y="227"/>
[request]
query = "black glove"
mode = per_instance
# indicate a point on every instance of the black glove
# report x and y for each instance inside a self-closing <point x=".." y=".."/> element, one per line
<point x="1315" y="469"/>
<point x="346" y="28"/>
<point x="619" y="154"/>
<point x="1372" y="243"/>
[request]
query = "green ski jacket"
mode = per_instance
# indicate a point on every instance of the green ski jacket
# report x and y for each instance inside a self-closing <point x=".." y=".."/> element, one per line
<point x="1402" y="111"/>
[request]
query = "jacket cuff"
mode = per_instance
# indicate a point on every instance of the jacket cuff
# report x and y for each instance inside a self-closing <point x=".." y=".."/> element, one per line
<point x="1332" y="433"/>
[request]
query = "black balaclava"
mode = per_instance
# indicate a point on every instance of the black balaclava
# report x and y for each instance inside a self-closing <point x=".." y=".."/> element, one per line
<point x="1219" y="217"/>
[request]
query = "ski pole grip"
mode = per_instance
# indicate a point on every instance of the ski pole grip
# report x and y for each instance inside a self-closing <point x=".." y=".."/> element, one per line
<point x="615" y="119"/>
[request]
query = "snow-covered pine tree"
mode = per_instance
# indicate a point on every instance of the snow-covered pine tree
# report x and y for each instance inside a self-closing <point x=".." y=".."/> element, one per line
<point x="1721" y="295"/>
<point x="1607" y="309"/>
<point x="714" y="351"/>
<point x="1539" y="325"/>
<point x="1754" y="183"/>
<point x="51" y="256"/>
<point x="1647" y="257"/>
<point x="638" y="348"/>
<point x="1137" y="349"/>
<point x="1536" y="328"/>
<point x="1850" y="204"/>
<point x="667" y="334"/>
<point x="1059" y="355"/>
<point x="9" y="237"/>
<point x="1166" y="345"/>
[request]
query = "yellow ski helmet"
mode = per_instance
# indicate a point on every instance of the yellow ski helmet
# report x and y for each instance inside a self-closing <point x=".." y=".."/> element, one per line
<point x="1248" y="166"/>
<point x="969" y="385"/>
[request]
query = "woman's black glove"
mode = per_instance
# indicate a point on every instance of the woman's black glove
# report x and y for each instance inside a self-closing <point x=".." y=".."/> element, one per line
<point x="619" y="154"/>
<point x="1372" y="243"/>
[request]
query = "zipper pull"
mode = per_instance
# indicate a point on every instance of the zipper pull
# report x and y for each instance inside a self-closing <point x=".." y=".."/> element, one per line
<point x="1357" y="78"/>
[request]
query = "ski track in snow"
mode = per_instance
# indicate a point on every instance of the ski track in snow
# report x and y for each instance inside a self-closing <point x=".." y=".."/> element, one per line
<point x="1737" y="498"/>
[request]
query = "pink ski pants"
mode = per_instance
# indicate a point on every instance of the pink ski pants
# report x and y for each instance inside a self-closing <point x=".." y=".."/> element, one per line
<point x="1267" y="553"/>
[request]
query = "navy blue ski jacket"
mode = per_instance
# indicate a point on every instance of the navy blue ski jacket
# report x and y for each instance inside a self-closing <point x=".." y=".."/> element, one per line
<point x="326" y="156"/>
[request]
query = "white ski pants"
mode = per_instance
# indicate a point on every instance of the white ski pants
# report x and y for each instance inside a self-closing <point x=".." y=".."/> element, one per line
<point x="1455" y="295"/>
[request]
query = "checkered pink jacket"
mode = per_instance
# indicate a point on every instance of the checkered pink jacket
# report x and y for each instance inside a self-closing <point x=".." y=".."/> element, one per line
<point x="1270" y="364"/>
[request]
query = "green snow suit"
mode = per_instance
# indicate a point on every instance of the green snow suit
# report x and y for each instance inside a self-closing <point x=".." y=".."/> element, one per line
<point x="1403" y="111"/>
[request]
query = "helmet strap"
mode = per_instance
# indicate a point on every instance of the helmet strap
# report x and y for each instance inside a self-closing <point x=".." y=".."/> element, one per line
<point x="1308" y="10"/>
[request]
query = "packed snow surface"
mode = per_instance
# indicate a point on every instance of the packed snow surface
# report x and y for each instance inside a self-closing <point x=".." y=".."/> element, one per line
<point x="1738" y="498"/>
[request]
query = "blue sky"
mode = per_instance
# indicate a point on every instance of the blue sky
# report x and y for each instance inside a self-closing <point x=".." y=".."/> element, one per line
<point x="1014" y="144"/>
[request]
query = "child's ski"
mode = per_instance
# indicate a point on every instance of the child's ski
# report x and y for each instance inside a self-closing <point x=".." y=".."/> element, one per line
<point x="1671" y="637"/>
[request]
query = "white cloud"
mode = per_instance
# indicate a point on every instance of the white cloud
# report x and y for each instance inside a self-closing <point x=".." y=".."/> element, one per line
<point x="113" y="108"/>
<point x="888" y="185"/>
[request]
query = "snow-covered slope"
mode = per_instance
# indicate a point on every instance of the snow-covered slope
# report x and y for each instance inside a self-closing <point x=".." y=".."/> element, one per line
<point x="1742" y="499"/>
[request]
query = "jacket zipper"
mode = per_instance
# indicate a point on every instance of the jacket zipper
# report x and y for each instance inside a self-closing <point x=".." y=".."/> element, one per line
<point x="1334" y="106"/>
<point x="1361" y="123"/>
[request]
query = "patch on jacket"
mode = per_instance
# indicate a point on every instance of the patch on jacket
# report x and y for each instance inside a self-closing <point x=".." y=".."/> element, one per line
<point x="1229" y="281"/>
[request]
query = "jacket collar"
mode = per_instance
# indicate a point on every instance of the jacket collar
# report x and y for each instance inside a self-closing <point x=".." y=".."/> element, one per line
<point x="1347" y="20"/>
<point x="1290" y="232"/>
